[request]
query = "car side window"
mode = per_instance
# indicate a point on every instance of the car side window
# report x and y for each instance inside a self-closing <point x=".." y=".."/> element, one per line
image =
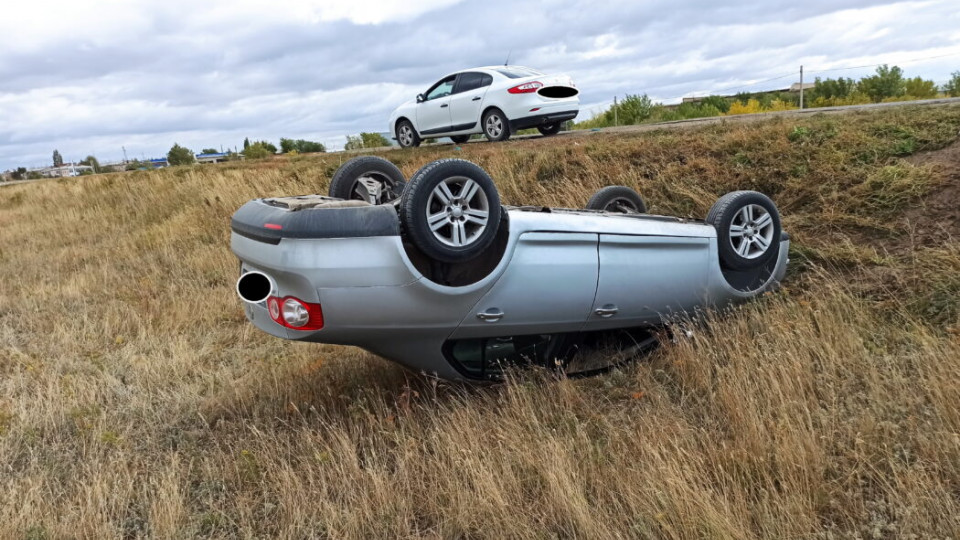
<point x="486" y="81"/>
<point x="469" y="81"/>
<point x="442" y="88"/>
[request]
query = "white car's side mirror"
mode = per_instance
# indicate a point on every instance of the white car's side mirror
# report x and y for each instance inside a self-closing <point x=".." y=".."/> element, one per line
<point x="420" y="98"/>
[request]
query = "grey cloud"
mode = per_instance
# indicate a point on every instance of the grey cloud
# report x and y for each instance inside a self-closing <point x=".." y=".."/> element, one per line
<point x="222" y="81"/>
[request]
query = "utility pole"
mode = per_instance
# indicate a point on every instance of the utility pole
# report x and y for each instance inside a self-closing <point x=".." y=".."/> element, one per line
<point x="124" y="148"/>
<point x="801" y="87"/>
<point x="616" y="121"/>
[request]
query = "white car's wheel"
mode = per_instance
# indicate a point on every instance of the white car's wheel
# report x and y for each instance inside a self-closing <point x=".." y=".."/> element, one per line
<point x="496" y="126"/>
<point x="407" y="136"/>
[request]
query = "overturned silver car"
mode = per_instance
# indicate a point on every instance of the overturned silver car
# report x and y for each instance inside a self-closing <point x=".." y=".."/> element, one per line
<point x="437" y="275"/>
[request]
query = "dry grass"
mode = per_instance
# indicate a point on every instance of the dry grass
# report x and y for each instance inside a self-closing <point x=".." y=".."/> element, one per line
<point x="135" y="401"/>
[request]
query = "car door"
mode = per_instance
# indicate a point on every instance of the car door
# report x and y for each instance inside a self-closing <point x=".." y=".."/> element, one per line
<point x="467" y="99"/>
<point x="433" y="113"/>
<point x="548" y="287"/>
<point x="644" y="278"/>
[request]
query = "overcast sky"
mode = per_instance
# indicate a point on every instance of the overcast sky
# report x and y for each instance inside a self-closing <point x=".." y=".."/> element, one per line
<point x="88" y="77"/>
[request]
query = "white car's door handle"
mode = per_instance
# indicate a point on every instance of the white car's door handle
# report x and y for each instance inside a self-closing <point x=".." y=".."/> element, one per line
<point x="607" y="311"/>
<point x="490" y="315"/>
<point x="478" y="98"/>
<point x="444" y="105"/>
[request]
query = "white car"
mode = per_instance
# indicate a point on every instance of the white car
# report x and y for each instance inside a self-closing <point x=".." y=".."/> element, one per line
<point x="495" y="101"/>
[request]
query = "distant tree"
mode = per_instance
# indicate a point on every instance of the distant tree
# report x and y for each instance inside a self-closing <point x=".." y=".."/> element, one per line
<point x="300" y="146"/>
<point x="258" y="150"/>
<point x="718" y="102"/>
<point x="952" y="87"/>
<point x="266" y="144"/>
<point x="19" y="174"/>
<point x="209" y="151"/>
<point x="887" y="83"/>
<point x="365" y="140"/>
<point x="34" y="175"/>
<point x="91" y="162"/>
<point x="57" y="159"/>
<point x="832" y="88"/>
<point x="919" y="88"/>
<point x="179" y="155"/>
<point x="246" y="143"/>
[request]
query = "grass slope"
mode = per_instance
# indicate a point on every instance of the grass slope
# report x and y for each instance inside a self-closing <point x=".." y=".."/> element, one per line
<point x="135" y="401"/>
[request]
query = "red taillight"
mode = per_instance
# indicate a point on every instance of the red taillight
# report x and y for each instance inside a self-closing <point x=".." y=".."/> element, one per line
<point x="295" y="314"/>
<point x="273" y="226"/>
<point x="526" y="88"/>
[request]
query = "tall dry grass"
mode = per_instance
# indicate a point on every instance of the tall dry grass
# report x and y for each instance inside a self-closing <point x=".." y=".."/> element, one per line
<point x="135" y="401"/>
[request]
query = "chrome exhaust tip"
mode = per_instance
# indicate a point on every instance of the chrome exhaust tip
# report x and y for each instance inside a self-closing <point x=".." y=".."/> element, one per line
<point x="254" y="287"/>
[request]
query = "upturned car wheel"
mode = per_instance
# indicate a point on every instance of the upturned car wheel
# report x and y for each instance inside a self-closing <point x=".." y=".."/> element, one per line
<point x="368" y="178"/>
<point x="496" y="126"/>
<point x="460" y="139"/>
<point x="549" y="129"/>
<point x="748" y="229"/>
<point x="618" y="199"/>
<point x="406" y="135"/>
<point x="451" y="210"/>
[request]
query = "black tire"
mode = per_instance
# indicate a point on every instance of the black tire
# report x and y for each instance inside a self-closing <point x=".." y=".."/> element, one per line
<point x="346" y="184"/>
<point x="460" y="139"/>
<point x="618" y="199"/>
<point x="420" y="198"/>
<point x="406" y="141"/>
<point x="496" y="125"/>
<point x="549" y="129"/>
<point x="758" y="241"/>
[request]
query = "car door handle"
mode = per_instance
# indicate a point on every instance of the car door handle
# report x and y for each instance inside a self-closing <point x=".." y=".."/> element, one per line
<point x="444" y="105"/>
<point x="478" y="98"/>
<point x="607" y="311"/>
<point x="490" y="315"/>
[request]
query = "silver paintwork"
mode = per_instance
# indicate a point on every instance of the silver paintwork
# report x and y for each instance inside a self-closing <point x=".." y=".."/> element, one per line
<point x="561" y="271"/>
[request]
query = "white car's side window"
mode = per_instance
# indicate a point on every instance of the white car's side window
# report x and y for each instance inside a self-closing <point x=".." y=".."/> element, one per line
<point x="445" y="88"/>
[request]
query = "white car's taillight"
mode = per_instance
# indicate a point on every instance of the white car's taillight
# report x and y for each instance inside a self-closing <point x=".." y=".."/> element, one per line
<point x="526" y="88"/>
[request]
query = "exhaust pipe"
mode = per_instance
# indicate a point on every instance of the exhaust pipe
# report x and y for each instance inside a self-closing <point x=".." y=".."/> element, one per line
<point x="254" y="287"/>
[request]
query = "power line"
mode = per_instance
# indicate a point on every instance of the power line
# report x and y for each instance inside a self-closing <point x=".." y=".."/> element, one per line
<point x="885" y="63"/>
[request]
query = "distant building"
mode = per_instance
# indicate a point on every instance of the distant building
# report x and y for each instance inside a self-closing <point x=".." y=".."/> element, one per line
<point x="63" y="171"/>
<point x="795" y="87"/>
<point x="157" y="163"/>
<point x="212" y="158"/>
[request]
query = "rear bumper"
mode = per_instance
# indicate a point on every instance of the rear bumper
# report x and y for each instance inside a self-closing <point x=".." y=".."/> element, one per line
<point x="266" y="223"/>
<point x="542" y="119"/>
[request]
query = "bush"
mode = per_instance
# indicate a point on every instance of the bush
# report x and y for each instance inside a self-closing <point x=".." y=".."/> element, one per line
<point x="832" y="88"/>
<point x="179" y="155"/>
<point x="952" y="87"/>
<point x="258" y="150"/>
<point x="887" y="83"/>
<point x="300" y="146"/>
<point x="365" y="140"/>
<point x="920" y="88"/>
<point x="752" y="106"/>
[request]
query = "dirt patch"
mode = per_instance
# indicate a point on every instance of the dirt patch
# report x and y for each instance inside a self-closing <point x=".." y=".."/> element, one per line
<point x="938" y="218"/>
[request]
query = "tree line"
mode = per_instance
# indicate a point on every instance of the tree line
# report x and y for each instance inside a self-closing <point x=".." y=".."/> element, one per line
<point x="885" y="85"/>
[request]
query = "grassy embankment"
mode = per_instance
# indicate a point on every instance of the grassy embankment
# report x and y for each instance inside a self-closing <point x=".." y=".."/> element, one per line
<point x="136" y="401"/>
